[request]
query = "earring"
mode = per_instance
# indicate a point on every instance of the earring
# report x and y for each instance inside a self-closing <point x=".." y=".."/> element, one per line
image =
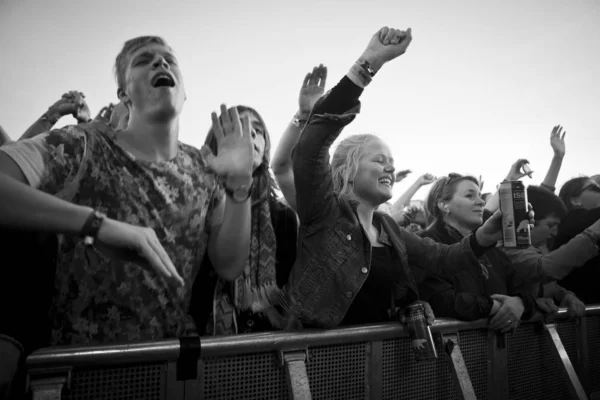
<point x="446" y="211"/>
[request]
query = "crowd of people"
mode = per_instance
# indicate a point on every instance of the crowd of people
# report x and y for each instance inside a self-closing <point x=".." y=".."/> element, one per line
<point x="120" y="232"/>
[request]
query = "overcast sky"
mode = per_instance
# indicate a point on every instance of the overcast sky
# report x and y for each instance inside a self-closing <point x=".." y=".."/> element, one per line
<point x="481" y="85"/>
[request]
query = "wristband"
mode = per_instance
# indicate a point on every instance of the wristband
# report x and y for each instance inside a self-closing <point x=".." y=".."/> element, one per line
<point x="299" y="122"/>
<point x="91" y="227"/>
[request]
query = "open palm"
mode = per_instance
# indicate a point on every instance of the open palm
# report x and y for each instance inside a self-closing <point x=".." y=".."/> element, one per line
<point x="234" y="145"/>
<point x="312" y="89"/>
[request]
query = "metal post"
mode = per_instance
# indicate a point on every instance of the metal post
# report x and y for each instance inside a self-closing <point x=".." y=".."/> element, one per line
<point x="458" y="369"/>
<point x="48" y="383"/>
<point x="294" y="362"/>
<point x="562" y="358"/>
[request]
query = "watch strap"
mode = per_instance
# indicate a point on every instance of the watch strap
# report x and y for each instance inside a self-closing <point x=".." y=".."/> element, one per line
<point x="91" y="227"/>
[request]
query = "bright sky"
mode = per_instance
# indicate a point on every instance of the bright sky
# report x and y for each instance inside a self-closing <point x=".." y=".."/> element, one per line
<point x="481" y="85"/>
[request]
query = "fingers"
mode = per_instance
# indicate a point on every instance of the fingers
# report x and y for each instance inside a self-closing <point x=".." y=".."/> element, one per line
<point x="165" y="260"/>
<point x="383" y="33"/>
<point x="217" y="128"/>
<point x="499" y="297"/>
<point x="428" y="313"/>
<point x="224" y="117"/>
<point x="314" y="77"/>
<point x="389" y="36"/>
<point x="245" y="126"/>
<point x="236" y="123"/>
<point x="306" y="80"/>
<point x="322" y="76"/>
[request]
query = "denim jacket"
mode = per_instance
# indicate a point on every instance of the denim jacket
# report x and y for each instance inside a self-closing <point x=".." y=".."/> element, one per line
<point x="334" y="255"/>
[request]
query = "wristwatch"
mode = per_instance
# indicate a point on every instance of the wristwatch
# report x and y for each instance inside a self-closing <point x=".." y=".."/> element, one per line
<point x="239" y="194"/>
<point x="92" y="225"/>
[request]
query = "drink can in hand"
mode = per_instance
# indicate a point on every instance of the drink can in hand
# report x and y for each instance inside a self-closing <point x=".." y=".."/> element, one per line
<point x="421" y="340"/>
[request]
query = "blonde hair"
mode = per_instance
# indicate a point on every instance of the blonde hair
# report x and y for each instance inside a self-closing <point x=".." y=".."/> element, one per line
<point x="345" y="160"/>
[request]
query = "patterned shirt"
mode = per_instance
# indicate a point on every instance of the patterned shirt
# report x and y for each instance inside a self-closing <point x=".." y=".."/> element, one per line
<point x="100" y="299"/>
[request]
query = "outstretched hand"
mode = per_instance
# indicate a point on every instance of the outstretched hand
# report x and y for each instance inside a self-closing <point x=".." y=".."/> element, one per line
<point x="234" y="145"/>
<point x="557" y="140"/>
<point x="312" y="89"/>
<point x="139" y="245"/>
<point x="386" y="45"/>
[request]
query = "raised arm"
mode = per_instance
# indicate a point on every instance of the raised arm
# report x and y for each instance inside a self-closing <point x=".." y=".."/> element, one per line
<point x="70" y="103"/>
<point x="312" y="174"/>
<point x="560" y="262"/>
<point x="447" y="260"/>
<point x="557" y="141"/>
<point x="397" y="209"/>
<point x="229" y="239"/>
<point x="312" y="89"/>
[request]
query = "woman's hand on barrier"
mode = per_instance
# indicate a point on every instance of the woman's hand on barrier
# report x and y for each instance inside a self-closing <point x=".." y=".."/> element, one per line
<point x="429" y="316"/>
<point x="508" y="316"/>
<point x="495" y="307"/>
<point x="575" y="307"/>
<point x="546" y="305"/>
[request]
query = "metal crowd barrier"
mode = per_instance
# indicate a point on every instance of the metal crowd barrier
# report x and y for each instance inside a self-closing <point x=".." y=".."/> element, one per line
<point x="557" y="359"/>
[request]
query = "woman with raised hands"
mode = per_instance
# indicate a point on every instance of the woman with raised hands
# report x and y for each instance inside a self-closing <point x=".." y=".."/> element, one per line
<point x="354" y="264"/>
<point x="246" y="304"/>
<point x="312" y="88"/>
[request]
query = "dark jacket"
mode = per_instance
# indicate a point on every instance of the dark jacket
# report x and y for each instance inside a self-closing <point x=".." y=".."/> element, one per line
<point x="334" y="255"/>
<point x="285" y="225"/>
<point x="466" y="295"/>
<point x="582" y="280"/>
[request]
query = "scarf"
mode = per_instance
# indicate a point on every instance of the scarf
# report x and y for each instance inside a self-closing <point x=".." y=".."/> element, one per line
<point x="256" y="288"/>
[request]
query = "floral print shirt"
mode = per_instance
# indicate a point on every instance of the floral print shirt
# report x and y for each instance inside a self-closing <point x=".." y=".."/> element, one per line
<point x="98" y="298"/>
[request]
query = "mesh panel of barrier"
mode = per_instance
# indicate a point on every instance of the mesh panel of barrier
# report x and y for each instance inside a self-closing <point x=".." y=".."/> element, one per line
<point x="593" y="337"/>
<point x="403" y="378"/>
<point x="567" y="330"/>
<point x="532" y="370"/>
<point x="338" y="371"/>
<point x="474" y="347"/>
<point x="143" y="382"/>
<point x="246" y="377"/>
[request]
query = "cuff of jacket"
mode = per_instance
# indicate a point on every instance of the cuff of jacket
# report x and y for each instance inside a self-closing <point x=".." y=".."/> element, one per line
<point x="478" y="249"/>
<point x="528" y="303"/>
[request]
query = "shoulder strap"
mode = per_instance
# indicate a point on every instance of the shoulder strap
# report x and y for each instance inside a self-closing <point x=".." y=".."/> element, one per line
<point x="70" y="189"/>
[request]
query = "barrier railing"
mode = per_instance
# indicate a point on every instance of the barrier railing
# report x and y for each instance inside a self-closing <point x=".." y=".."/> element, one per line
<point x="557" y="359"/>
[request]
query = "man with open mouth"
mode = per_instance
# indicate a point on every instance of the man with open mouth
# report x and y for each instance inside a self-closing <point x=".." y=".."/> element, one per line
<point x="136" y="211"/>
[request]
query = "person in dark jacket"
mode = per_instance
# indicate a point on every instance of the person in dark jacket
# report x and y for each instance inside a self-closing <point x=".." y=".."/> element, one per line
<point x="582" y="197"/>
<point x="354" y="264"/>
<point x="496" y="287"/>
<point x="247" y="304"/>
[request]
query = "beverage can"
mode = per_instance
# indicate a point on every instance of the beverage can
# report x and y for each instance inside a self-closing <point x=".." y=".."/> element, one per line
<point x="419" y="332"/>
<point x="515" y="215"/>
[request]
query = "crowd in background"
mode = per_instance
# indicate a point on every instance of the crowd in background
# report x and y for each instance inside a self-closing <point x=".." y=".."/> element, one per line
<point x="116" y="231"/>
